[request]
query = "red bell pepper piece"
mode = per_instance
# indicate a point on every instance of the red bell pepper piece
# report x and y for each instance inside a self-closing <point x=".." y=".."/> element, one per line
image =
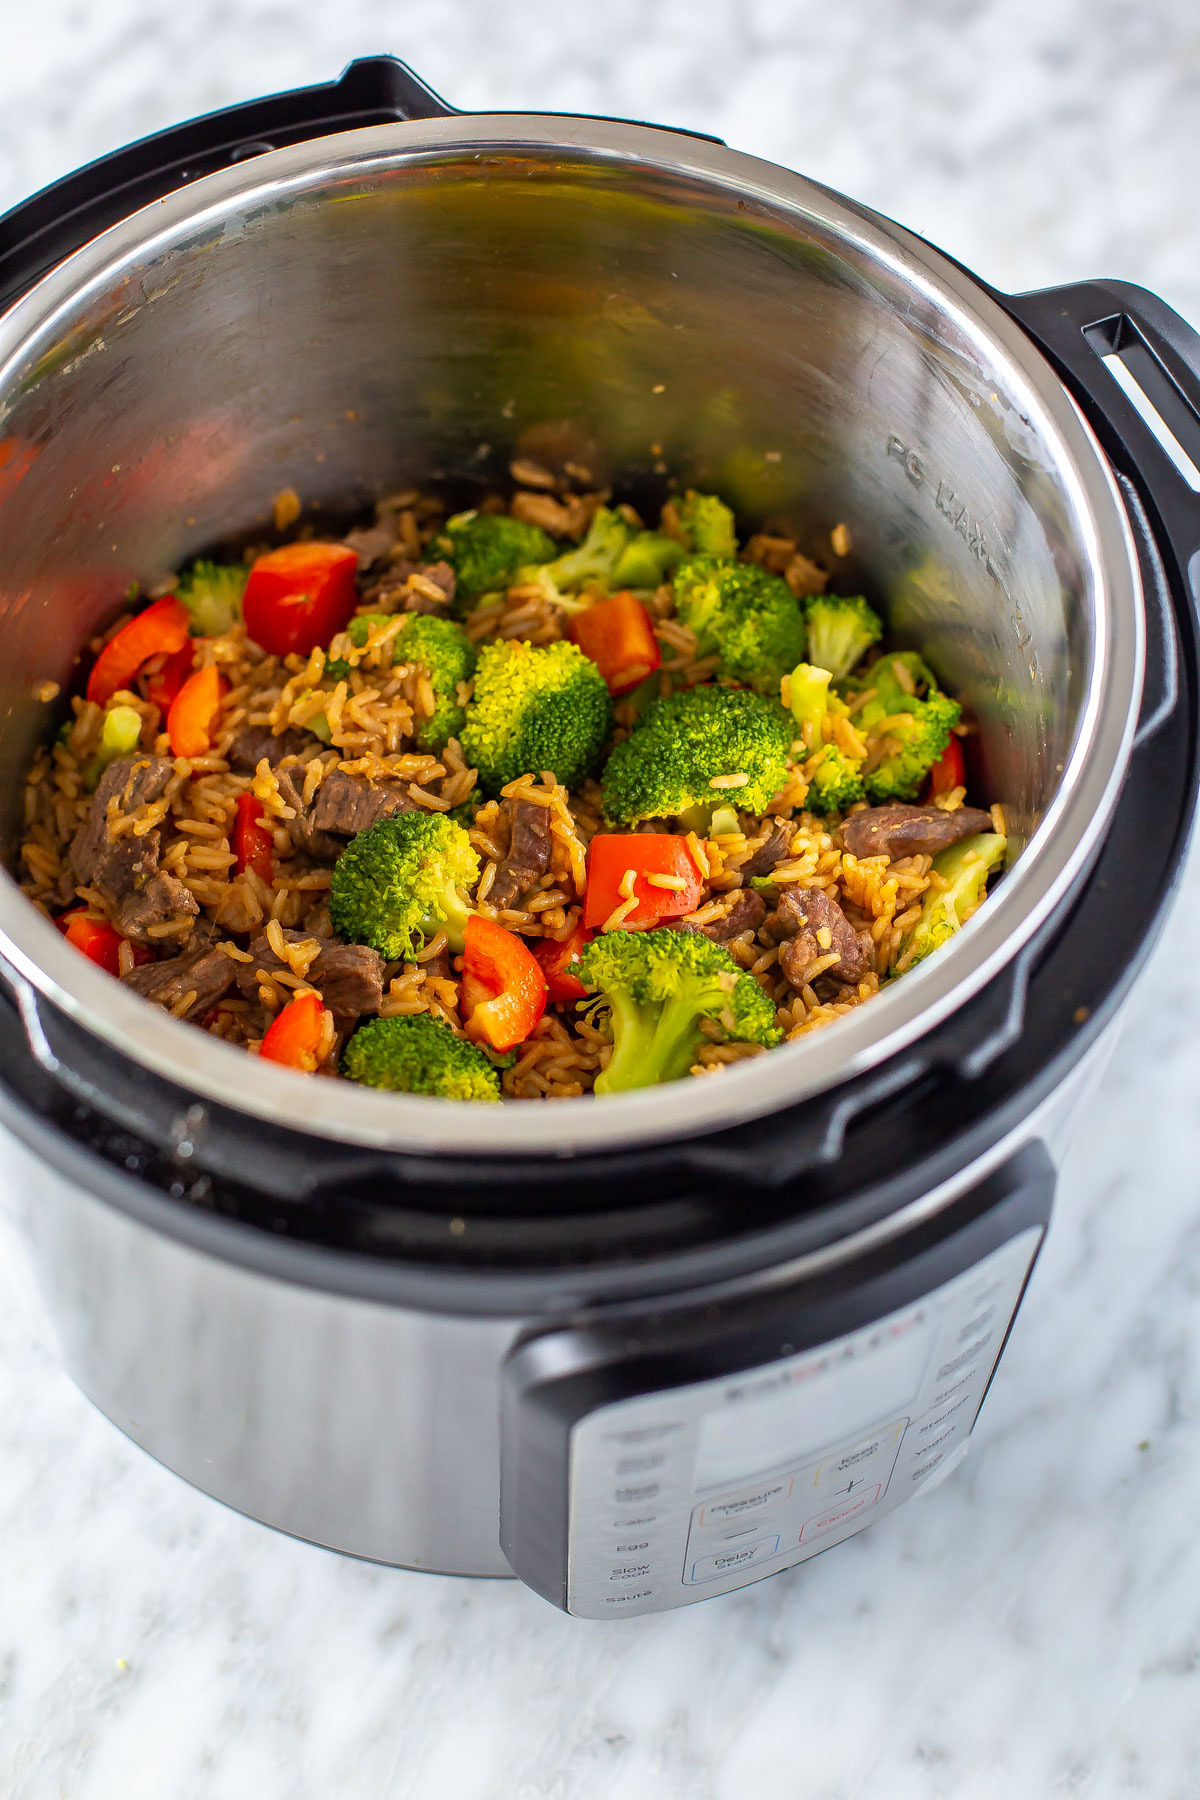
<point x="163" y="683"/>
<point x="618" y="635"/>
<point x="295" y="1035"/>
<point x="556" y="958"/>
<point x="159" y="631"/>
<point x="948" y="772"/>
<point x="611" y="855"/>
<point x="194" y="712"/>
<point x="95" y="937"/>
<point x="300" y="596"/>
<point x="504" y="990"/>
<point x="253" y="844"/>
<point x="98" y="940"/>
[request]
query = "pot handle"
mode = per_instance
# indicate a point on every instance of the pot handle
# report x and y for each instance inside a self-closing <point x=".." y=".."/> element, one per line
<point x="42" y="230"/>
<point x="1128" y="358"/>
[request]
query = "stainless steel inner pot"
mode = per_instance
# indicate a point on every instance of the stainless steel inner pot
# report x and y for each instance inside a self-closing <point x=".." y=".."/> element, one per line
<point x="368" y="309"/>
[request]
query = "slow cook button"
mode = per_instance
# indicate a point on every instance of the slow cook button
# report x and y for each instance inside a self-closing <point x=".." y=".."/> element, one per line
<point x="733" y="1560"/>
<point x="717" y="1512"/>
<point x="836" y="1516"/>
<point x="629" y="1572"/>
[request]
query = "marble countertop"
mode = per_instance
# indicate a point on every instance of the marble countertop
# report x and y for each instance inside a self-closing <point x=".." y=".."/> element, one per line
<point x="1033" y="1627"/>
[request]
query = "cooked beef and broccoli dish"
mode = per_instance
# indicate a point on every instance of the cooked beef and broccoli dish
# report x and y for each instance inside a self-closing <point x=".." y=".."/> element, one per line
<point x="532" y="801"/>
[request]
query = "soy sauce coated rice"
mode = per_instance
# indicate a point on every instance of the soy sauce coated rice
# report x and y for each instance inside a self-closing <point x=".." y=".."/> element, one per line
<point x="372" y="714"/>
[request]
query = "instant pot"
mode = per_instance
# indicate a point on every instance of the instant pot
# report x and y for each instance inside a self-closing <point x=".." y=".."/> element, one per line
<point x="644" y="1350"/>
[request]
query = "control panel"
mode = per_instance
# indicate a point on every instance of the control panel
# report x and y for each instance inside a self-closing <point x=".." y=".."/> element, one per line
<point x="700" y="1488"/>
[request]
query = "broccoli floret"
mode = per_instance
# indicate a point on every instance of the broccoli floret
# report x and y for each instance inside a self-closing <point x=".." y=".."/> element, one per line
<point x="748" y="617"/>
<point x="707" y="524"/>
<point x="921" y="730"/>
<point x="440" y="647"/>
<point x="535" y="708"/>
<point x="591" y="563"/>
<point x="965" y="868"/>
<point x="647" y="560"/>
<point x="835" y="783"/>
<point x="358" y="631"/>
<point x="808" y="698"/>
<point x="402" y="880"/>
<point x="690" y="740"/>
<point x="486" y="550"/>
<point x="120" y="733"/>
<point x="418" y="1054"/>
<point x="886" y="673"/>
<point x="659" y="986"/>
<point x="447" y="655"/>
<point x="212" y="593"/>
<point x="840" y="631"/>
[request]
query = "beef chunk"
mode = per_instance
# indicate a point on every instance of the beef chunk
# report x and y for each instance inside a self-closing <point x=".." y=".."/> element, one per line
<point x="348" y="804"/>
<point x="320" y="845"/>
<point x="349" y="977"/>
<point x="441" y="575"/>
<point x="371" y="543"/>
<point x="256" y="741"/>
<point x="390" y="587"/>
<point x="162" y="897"/>
<point x="770" y="853"/>
<point x="746" y="914"/>
<point x="438" y="967"/>
<point x="116" y="869"/>
<point x="121" y="869"/>
<point x="528" y="856"/>
<point x="800" y="915"/>
<point x="896" y="831"/>
<point x="210" y="973"/>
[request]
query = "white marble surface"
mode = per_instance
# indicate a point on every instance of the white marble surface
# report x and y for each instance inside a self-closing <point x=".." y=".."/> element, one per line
<point x="1033" y="1628"/>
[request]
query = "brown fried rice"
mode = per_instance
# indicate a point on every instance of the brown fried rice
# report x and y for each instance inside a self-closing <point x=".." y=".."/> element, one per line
<point x="372" y="716"/>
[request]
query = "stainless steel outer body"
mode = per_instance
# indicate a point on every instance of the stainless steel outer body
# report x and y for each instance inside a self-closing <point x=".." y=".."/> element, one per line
<point x="368" y="1428"/>
<point x="357" y="312"/>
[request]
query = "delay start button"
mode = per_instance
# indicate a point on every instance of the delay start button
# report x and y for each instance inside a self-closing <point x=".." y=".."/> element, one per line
<point x="730" y="1562"/>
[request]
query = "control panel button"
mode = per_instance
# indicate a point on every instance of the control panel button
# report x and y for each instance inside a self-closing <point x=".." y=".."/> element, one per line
<point x="734" y="1560"/>
<point x="637" y="1495"/>
<point x="841" y="1514"/>
<point x="753" y="1499"/>
<point x="843" y="1463"/>
<point x="629" y="1572"/>
<point x="640" y="1465"/>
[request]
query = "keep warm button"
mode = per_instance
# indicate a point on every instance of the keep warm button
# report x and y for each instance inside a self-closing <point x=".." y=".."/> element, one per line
<point x="834" y="1517"/>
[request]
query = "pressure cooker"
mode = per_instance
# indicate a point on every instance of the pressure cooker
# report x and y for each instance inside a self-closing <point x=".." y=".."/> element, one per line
<point x="647" y="1349"/>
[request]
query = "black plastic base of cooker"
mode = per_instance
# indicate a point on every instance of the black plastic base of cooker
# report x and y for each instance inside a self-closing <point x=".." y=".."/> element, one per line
<point x="645" y="1219"/>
